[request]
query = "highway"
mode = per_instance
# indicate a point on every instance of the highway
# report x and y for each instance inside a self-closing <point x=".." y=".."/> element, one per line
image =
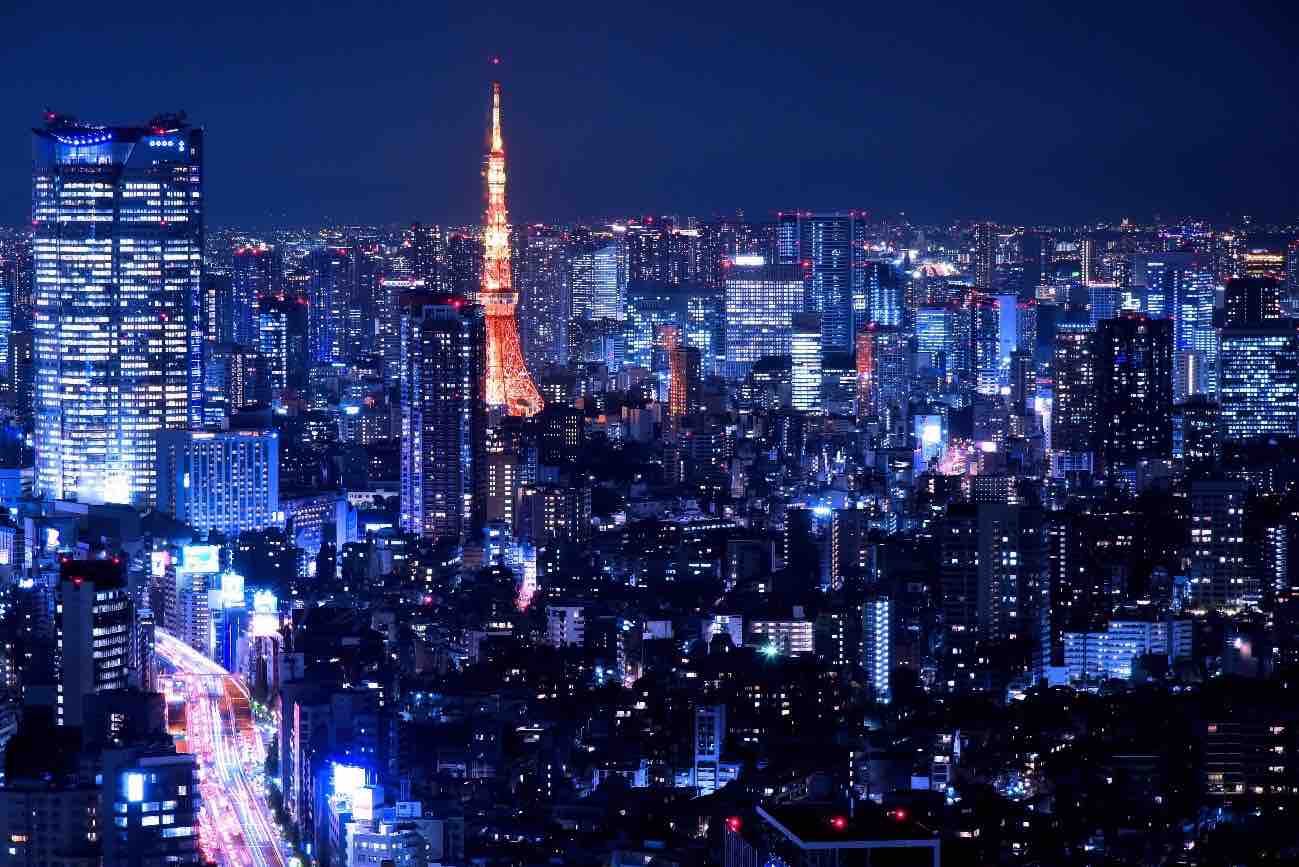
<point x="236" y="825"/>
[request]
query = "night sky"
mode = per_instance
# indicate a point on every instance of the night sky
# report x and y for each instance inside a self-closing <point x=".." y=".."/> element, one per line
<point x="375" y="111"/>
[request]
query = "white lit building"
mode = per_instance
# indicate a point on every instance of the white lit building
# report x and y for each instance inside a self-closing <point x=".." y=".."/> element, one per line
<point x="1096" y="656"/>
<point x="117" y="217"/>
<point x="877" y="646"/>
<point x="761" y="301"/>
<point x="805" y="362"/>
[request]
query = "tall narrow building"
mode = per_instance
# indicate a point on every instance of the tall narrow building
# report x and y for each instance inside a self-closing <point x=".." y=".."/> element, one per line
<point x="509" y="385"/>
<point x="1134" y="390"/>
<point x="443" y="418"/>
<point x="117" y="224"/>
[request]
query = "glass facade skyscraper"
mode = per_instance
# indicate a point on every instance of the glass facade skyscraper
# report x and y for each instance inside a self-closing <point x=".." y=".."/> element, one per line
<point x="761" y="301"/>
<point x="831" y="248"/>
<point x="117" y="216"/>
<point x="600" y="283"/>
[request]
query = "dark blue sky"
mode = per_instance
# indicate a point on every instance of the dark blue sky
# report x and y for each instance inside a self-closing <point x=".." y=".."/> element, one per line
<point x="374" y="111"/>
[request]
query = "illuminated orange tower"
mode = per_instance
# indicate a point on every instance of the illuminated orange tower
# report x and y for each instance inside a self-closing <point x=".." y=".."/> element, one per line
<point x="509" y="385"/>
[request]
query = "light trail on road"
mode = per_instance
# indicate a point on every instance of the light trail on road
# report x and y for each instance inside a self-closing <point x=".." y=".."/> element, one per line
<point x="238" y="828"/>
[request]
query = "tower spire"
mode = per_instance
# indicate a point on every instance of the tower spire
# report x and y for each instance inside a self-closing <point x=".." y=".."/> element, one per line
<point x="498" y="144"/>
<point x="509" y="385"/>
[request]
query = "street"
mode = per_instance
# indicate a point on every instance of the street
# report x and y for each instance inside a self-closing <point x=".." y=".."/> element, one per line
<point x="236" y="825"/>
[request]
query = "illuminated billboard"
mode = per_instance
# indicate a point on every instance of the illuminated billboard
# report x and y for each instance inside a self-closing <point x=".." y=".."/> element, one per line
<point x="200" y="559"/>
<point x="348" y="779"/>
<point x="232" y="590"/>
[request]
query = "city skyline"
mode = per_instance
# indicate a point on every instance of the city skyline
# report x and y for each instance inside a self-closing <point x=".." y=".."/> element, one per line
<point x="683" y="535"/>
<point x="931" y="110"/>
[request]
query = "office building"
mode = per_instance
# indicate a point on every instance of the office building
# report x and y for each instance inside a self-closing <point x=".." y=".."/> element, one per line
<point x="545" y="294"/>
<point x="1251" y="301"/>
<point x="831" y="250"/>
<point x="684" y="384"/>
<point x="1134" y="389"/>
<point x="1073" y="416"/>
<point x="228" y="482"/>
<point x="761" y="301"/>
<point x="709" y="741"/>
<point x="95" y="634"/>
<point x="1258" y="380"/>
<point x="985" y="255"/>
<point x="154" y="800"/>
<point x="599" y="282"/>
<point x="117" y="216"/>
<point x="805" y="362"/>
<point x="251" y="281"/>
<point x="443" y="413"/>
<point x="332" y="276"/>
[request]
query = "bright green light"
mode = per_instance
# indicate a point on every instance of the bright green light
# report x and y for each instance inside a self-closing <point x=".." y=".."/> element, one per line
<point x="771" y="651"/>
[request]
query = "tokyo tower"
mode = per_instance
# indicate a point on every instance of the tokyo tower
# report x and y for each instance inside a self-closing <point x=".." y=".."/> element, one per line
<point x="509" y="385"/>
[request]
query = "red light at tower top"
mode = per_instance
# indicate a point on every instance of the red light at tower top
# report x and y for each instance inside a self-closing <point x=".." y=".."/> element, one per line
<point x="734" y="824"/>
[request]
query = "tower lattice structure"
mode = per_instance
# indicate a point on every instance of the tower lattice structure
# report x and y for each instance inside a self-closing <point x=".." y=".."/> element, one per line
<point x="509" y="385"/>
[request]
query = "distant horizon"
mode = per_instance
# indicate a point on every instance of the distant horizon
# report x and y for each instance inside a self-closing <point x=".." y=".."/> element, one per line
<point x="344" y="111"/>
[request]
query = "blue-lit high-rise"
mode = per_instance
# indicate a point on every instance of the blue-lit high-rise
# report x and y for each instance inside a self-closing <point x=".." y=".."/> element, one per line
<point x="117" y="217"/>
<point x="831" y="248"/>
<point x="332" y="277"/>
<point x="443" y="413"/>
<point x="761" y="301"/>
<point x="250" y="282"/>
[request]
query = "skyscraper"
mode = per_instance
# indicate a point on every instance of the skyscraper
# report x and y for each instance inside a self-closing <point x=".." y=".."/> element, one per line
<point x="250" y="283"/>
<point x="1249" y="301"/>
<point x="443" y="370"/>
<point x="545" y="295"/>
<point x="684" y="382"/>
<point x="985" y="255"/>
<point x="1134" y="389"/>
<point x="599" y="279"/>
<point x="1258" y="362"/>
<point x="509" y="385"/>
<point x="117" y="217"/>
<point x="332" y="274"/>
<point x="761" y="301"/>
<point x="805" y="362"/>
<point x="1073" y="416"/>
<point x="831" y="249"/>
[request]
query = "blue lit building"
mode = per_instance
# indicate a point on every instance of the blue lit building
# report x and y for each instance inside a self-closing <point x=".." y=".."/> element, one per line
<point x="831" y="247"/>
<point x="877" y="645"/>
<point x="332" y="273"/>
<point x="1258" y="380"/>
<point x="251" y="281"/>
<point x="227" y="481"/>
<point x="443" y="413"/>
<point x="117" y="216"/>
